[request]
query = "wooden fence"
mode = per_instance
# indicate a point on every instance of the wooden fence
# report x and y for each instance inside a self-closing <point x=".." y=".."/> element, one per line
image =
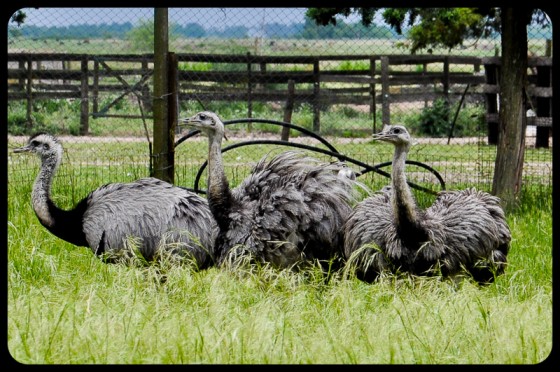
<point x="385" y="80"/>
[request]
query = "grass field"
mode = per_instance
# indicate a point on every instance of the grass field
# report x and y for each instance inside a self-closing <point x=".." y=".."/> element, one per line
<point x="260" y="46"/>
<point x="67" y="307"/>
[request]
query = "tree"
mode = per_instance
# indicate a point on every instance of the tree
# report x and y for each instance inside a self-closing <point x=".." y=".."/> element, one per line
<point x="142" y="36"/>
<point x="512" y="118"/>
<point x="449" y="27"/>
<point x="18" y="17"/>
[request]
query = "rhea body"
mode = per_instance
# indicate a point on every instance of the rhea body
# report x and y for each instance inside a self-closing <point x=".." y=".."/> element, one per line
<point x="290" y="209"/>
<point x="462" y="232"/>
<point x="150" y="211"/>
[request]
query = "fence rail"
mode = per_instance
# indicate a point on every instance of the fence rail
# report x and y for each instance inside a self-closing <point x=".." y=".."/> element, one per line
<point x="389" y="80"/>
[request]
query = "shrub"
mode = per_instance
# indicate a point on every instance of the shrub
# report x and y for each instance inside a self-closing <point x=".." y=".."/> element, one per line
<point x="434" y="120"/>
<point x="437" y="120"/>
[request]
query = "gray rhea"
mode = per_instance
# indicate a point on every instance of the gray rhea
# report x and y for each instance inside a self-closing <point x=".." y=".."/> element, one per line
<point x="288" y="212"/>
<point x="462" y="232"/>
<point x="150" y="211"/>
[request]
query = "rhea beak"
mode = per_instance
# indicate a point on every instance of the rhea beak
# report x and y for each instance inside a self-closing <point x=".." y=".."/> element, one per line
<point x="21" y="149"/>
<point x="184" y="121"/>
<point x="383" y="135"/>
<point x="379" y="136"/>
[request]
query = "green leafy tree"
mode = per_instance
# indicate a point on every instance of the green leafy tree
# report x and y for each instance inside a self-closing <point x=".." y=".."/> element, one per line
<point x="141" y="37"/>
<point x="312" y="31"/>
<point x="433" y="27"/>
<point x="18" y="17"/>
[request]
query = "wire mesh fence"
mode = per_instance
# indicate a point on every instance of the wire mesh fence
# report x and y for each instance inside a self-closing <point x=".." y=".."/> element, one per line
<point x="86" y="74"/>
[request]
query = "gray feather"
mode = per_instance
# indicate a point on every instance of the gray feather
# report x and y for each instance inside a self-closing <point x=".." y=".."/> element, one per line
<point x="290" y="209"/>
<point x="461" y="230"/>
<point x="149" y="211"/>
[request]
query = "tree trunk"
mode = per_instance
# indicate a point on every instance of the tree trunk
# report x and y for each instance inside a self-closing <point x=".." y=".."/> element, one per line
<point x="512" y="118"/>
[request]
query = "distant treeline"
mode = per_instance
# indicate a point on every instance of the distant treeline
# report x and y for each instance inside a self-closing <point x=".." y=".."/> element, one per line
<point x="307" y="30"/>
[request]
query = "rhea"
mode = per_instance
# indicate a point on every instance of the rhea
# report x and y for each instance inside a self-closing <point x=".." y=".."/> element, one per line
<point x="288" y="212"/>
<point x="463" y="233"/>
<point x="150" y="212"/>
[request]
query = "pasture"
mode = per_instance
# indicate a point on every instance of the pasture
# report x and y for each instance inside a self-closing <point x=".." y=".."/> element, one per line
<point x="65" y="306"/>
<point x="257" y="46"/>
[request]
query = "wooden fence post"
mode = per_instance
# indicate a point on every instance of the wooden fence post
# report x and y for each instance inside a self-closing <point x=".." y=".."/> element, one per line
<point x="21" y="81"/>
<point x="491" y="71"/>
<point x="372" y="93"/>
<point x="262" y="69"/>
<point x="84" y="108"/>
<point x="446" y="85"/>
<point x="385" y="95"/>
<point x="249" y="92"/>
<point x="172" y="112"/>
<point x="425" y="72"/>
<point x="162" y="168"/>
<point x="316" y="97"/>
<point x="288" y="111"/>
<point x="95" y="93"/>
<point x="29" y="93"/>
<point x="145" y="90"/>
<point x="544" y="107"/>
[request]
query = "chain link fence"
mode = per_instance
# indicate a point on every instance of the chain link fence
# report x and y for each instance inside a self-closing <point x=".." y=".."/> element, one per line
<point x="85" y="74"/>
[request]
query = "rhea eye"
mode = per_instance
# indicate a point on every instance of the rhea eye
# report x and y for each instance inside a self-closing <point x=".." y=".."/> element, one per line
<point x="202" y="117"/>
<point x="396" y="130"/>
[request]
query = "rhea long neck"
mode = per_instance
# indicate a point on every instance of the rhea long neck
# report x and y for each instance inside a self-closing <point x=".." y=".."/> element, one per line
<point x="43" y="206"/>
<point x="404" y="204"/>
<point x="219" y="194"/>
<point x="66" y="225"/>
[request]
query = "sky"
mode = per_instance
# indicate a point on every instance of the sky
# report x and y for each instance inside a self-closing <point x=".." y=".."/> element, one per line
<point x="226" y="17"/>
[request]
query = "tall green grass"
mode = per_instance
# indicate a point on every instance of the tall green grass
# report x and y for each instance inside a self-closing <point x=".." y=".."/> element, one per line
<point x="65" y="306"/>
